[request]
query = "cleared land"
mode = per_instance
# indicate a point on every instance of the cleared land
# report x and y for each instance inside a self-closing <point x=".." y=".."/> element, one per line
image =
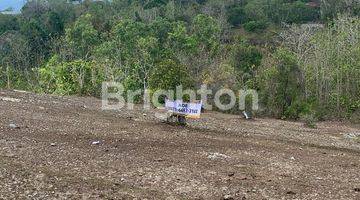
<point x="46" y="152"/>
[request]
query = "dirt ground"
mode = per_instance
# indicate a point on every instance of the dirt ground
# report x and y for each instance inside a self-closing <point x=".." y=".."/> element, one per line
<point x="48" y="150"/>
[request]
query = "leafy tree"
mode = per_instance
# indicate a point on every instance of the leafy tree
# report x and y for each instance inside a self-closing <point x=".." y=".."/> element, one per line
<point x="299" y="12"/>
<point x="145" y="58"/>
<point x="68" y="78"/>
<point x="54" y="24"/>
<point x="281" y="87"/>
<point x="255" y="10"/>
<point x="255" y="26"/>
<point x="236" y="15"/>
<point x="246" y="58"/>
<point x="169" y="74"/>
<point x="8" y="23"/>
<point x="180" y="40"/>
<point x="331" y="8"/>
<point x="206" y="31"/>
<point x="37" y="40"/>
<point x="82" y="37"/>
<point x="14" y="60"/>
<point x="155" y="3"/>
<point x="35" y="9"/>
<point x="101" y="15"/>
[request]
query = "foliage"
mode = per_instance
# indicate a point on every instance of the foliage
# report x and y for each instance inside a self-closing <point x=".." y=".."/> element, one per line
<point x="281" y="85"/>
<point x="206" y="31"/>
<point x="168" y="75"/>
<point x="311" y="70"/>
<point x="8" y="23"/>
<point x="81" y="38"/>
<point x="331" y="8"/>
<point x="255" y="26"/>
<point x="246" y="59"/>
<point x="236" y="15"/>
<point x="332" y="67"/>
<point x="309" y="120"/>
<point x="68" y="78"/>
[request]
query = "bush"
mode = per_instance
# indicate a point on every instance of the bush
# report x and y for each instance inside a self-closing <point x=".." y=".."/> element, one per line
<point x="16" y="79"/>
<point x="255" y="26"/>
<point x="309" y="120"/>
<point x="3" y="77"/>
<point x="299" y="12"/>
<point x="355" y="117"/>
<point x="236" y="15"/>
<point x="246" y="57"/>
<point x="68" y="78"/>
<point x="168" y="74"/>
<point x="281" y="85"/>
<point x="299" y="108"/>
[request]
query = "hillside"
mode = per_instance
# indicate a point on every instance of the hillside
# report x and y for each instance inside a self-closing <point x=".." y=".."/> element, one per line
<point x="301" y="57"/>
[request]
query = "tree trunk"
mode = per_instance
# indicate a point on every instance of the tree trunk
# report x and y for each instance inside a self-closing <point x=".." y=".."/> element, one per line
<point x="8" y="76"/>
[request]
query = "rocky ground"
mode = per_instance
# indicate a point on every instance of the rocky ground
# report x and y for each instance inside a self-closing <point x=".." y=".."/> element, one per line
<point x="67" y="147"/>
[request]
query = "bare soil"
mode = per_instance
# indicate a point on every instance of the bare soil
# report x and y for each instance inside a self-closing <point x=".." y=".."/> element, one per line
<point x="47" y="152"/>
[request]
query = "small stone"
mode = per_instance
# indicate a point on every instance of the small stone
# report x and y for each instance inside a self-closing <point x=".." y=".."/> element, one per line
<point x="10" y="99"/>
<point x="351" y="135"/>
<point x="10" y="155"/>
<point x="95" y="143"/>
<point x="14" y="126"/>
<point x="217" y="155"/>
<point x="159" y="160"/>
<point x="290" y="192"/>
<point x="53" y="144"/>
<point x="242" y="177"/>
<point x="228" y="197"/>
<point x="292" y="158"/>
<point x="230" y="174"/>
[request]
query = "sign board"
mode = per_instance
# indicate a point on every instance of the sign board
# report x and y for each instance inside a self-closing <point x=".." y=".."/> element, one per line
<point x="190" y="110"/>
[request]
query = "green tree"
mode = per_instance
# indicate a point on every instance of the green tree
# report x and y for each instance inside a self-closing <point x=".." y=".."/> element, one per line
<point x="14" y="60"/>
<point x="8" y="23"/>
<point x="68" y="78"/>
<point x="82" y="38"/>
<point x="282" y="86"/>
<point x="236" y="15"/>
<point x="206" y="31"/>
<point x="331" y="8"/>
<point x="246" y="59"/>
<point x="169" y="74"/>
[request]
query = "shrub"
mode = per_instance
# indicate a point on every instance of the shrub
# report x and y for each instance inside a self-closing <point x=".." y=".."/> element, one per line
<point x="309" y="120"/>
<point x="255" y="26"/>
<point x="236" y="15"/>
<point x="68" y="78"/>
<point x="168" y="74"/>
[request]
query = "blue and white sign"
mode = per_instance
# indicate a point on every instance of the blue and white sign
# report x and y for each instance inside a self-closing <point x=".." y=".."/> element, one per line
<point x="190" y="110"/>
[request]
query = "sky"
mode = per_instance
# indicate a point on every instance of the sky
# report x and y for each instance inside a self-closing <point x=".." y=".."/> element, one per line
<point x="15" y="4"/>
